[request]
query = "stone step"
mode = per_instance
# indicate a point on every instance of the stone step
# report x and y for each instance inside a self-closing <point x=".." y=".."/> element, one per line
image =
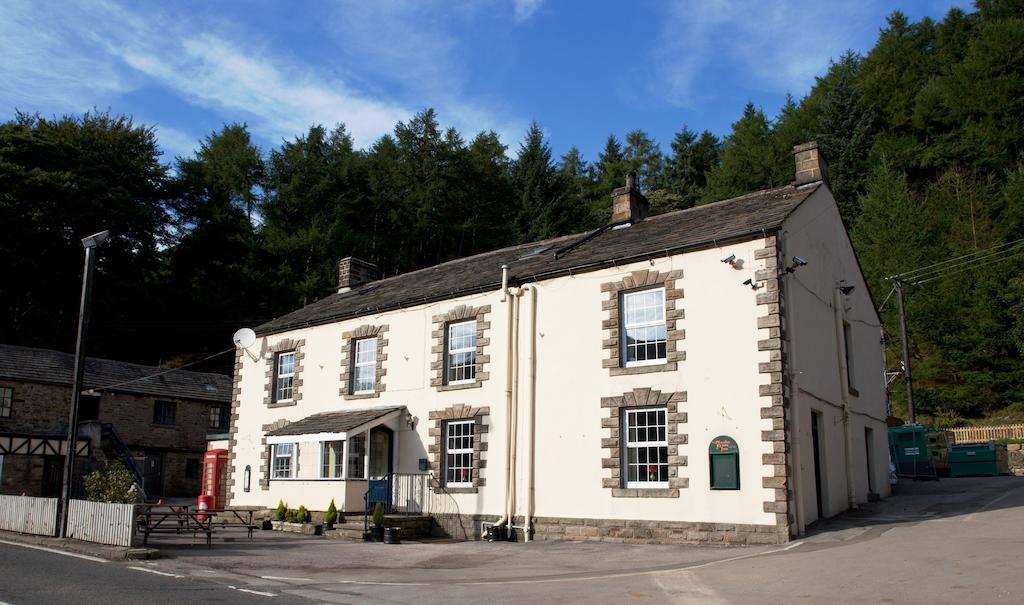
<point x="413" y="527"/>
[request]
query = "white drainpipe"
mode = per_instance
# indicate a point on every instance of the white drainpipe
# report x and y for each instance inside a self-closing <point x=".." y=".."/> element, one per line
<point x="514" y="427"/>
<point x="531" y="410"/>
<point x="844" y="380"/>
<point x="509" y="297"/>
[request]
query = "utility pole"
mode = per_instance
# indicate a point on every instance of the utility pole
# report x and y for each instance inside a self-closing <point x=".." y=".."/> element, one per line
<point x="90" y="243"/>
<point x="911" y="416"/>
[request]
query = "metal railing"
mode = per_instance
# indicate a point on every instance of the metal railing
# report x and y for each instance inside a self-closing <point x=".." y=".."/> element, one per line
<point x="410" y="493"/>
<point x="109" y="433"/>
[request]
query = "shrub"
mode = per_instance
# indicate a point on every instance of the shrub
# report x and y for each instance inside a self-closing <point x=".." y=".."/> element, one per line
<point x="378" y="514"/>
<point x="279" y="514"/>
<point x="115" y="484"/>
<point x="302" y="515"/>
<point x="332" y="513"/>
<point x="289" y="515"/>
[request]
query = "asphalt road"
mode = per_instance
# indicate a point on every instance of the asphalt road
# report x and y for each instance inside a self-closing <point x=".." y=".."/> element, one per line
<point x="955" y="541"/>
<point x="31" y="576"/>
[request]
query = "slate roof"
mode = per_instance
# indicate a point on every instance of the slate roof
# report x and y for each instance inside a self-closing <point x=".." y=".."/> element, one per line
<point x="332" y="422"/>
<point x="55" y="367"/>
<point x="729" y="220"/>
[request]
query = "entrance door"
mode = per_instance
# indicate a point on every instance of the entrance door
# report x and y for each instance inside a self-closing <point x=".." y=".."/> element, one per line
<point x="53" y="476"/>
<point x="153" y="474"/>
<point x="380" y="466"/>
<point x="816" y="447"/>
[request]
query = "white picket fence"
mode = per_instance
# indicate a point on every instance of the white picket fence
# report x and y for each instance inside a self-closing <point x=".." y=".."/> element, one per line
<point x="28" y="515"/>
<point x="970" y="434"/>
<point x="102" y="522"/>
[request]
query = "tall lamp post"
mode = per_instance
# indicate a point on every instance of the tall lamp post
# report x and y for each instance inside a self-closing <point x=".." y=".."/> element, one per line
<point x="90" y="243"/>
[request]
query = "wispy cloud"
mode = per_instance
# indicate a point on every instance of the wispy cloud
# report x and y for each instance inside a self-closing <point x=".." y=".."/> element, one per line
<point x="524" y="9"/>
<point x="418" y="50"/>
<point x="81" y="55"/>
<point x="773" y="46"/>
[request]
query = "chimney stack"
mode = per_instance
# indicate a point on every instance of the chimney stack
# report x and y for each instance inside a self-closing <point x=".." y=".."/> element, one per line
<point x="628" y="204"/>
<point x="810" y="164"/>
<point x="354" y="272"/>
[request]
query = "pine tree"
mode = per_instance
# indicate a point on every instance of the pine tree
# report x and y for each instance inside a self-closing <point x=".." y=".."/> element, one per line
<point x="846" y="134"/>
<point x="535" y="186"/>
<point x="748" y="160"/>
<point x="686" y="170"/>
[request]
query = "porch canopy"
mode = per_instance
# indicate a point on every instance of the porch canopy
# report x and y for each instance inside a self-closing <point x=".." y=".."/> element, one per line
<point x="332" y="426"/>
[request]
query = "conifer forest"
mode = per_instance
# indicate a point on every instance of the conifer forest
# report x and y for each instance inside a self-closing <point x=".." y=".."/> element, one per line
<point x="924" y="137"/>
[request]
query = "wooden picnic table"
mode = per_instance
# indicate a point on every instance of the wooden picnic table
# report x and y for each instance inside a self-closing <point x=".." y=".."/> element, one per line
<point x="194" y="520"/>
<point x="151" y="521"/>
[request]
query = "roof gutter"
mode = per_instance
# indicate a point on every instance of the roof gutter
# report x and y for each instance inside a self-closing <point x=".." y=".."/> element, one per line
<point x="583" y="268"/>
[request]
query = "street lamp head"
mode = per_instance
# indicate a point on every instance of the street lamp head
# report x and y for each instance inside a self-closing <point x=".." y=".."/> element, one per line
<point x="95" y="239"/>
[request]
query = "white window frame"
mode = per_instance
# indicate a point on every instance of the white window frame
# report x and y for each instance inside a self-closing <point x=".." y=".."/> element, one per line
<point x="364" y="458"/>
<point x="278" y="375"/>
<point x="451" y="352"/>
<point x="6" y="402"/>
<point x="627" y="415"/>
<point x="340" y="463"/>
<point x="448" y="450"/>
<point x="625" y="326"/>
<point x="370" y="366"/>
<point x="292" y="459"/>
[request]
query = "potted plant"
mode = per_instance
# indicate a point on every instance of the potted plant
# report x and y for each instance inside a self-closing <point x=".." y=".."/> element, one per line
<point x="377" y="532"/>
<point x="330" y="516"/>
<point x="281" y="511"/>
<point x="289" y="515"/>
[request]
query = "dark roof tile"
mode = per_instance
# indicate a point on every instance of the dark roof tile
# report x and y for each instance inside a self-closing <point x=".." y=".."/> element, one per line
<point x="744" y="216"/>
<point x="55" y="367"/>
<point x="332" y="422"/>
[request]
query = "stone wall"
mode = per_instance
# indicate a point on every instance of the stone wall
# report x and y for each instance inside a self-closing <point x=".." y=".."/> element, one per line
<point x="1015" y="458"/>
<point x="43" y="409"/>
<point x="628" y="531"/>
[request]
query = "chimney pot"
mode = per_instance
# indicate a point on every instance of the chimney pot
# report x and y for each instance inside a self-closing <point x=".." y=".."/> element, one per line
<point x="810" y="164"/>
<point x="628" y="204"/>
<point x="354" y="272"/>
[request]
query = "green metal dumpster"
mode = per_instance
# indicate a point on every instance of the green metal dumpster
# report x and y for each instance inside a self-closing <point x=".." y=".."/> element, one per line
<point x="908" y="450"/>
<point x="977" y="459"/>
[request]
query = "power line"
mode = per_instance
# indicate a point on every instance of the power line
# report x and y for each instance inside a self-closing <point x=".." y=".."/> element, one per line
<point x="167" y="371"/>
<point x="970" y="262"/>
<point x="977" y="265"/>
<point x="959" y="260"/>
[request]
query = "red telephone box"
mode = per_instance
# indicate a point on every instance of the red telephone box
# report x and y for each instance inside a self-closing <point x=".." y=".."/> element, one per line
<point x="215" y="493"/>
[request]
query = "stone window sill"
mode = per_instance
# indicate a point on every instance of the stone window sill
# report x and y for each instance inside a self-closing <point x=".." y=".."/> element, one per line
<point x="456" y="490"/>
<point x="361" y="395"/>
<point x="282" y="404"/>
<point x="459" y="387"/>
<point x="645" y="493"/>
<point x="670" y="366"/>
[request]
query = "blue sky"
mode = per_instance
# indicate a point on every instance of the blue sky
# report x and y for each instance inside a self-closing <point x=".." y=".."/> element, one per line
<point x="583" y="70"/>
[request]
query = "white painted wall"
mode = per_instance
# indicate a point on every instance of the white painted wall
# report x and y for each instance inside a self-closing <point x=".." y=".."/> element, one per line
<point x="719" y="376"/>
<point x="815" y="360"/>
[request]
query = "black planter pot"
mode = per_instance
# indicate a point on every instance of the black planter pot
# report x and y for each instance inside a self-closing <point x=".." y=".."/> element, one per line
<point x="392" y="535"/>
<point x="267" y="525"/>
<point x="377" y="533"/>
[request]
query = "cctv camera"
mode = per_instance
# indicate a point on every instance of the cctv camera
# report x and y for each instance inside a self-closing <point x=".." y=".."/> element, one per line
<point x="798" y="262"/>
<point x="729" y="259"/>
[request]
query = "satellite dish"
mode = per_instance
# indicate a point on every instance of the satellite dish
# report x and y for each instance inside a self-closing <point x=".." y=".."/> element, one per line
<point x="244" y="338"/>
